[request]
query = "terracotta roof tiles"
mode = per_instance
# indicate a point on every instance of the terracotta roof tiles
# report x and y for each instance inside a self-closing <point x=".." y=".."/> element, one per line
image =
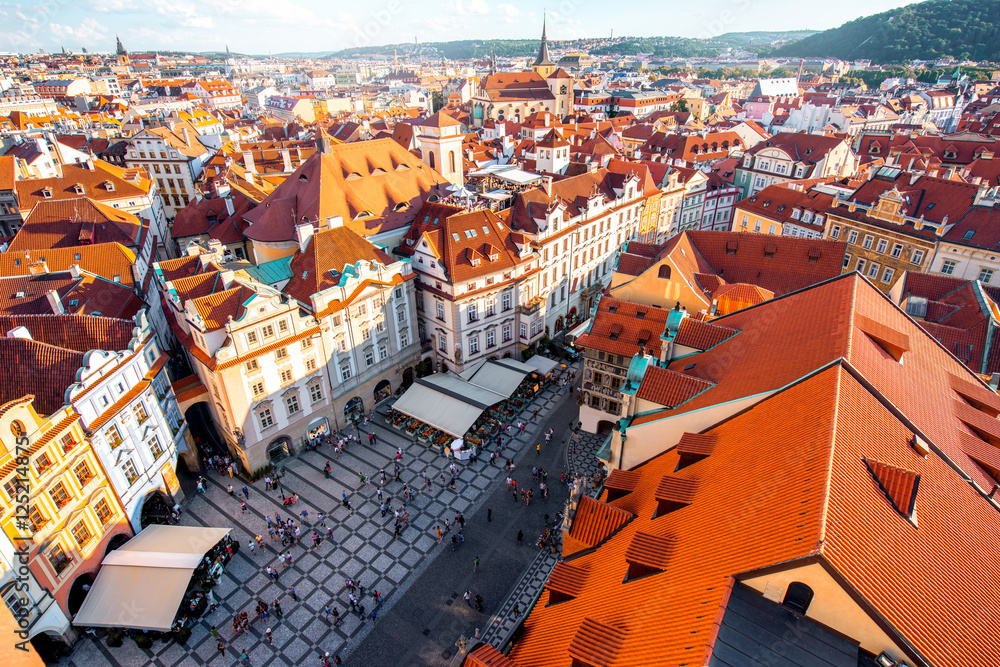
<point x="670" y="388"/>
<point x="595" y="521"/>
<point x="701" y="335"/>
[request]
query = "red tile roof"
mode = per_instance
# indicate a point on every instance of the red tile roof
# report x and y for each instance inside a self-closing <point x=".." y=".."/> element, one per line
<point x="670" y="388"/>
<point x="65" y="223"/>
<point x="701" y="335"/>
<point x="819" y="432"/>
<point x="593" y="522"/>
<point x="80" y="333"/>
<point x="328" y="252"/>
<point x="365" y="177"/>
<point x="103" y="259"/>
<point x="624" y="328"/>
<point x="45" y="371"/>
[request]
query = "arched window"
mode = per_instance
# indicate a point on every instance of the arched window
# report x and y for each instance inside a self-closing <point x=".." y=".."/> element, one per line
<point x="664" y="271"/>
<point x="798" y="597"/>
<point x="451" y="161"/>
<point x="431" y="161"/>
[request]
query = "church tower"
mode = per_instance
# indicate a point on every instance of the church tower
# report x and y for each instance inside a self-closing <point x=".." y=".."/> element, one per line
<point x="123" y="59"/>
<point x="543" y="64"/>
<point x="440" y="140"/>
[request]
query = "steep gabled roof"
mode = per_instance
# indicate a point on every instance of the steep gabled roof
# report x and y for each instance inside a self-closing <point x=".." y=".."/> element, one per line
<point x="63" y="223"/>
<point x="916" y="583"/>
<point x="321" y="265"/>
<point x="373" y="185"/>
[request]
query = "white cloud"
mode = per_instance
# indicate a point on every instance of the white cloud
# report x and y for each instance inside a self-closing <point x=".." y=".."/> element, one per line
<point x="507" y="9"/>
<point x="468" y="7"/>
<point x="89" y="32"/>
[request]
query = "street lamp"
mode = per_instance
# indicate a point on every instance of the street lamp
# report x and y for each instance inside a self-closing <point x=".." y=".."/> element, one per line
<point x="278" y="474"/>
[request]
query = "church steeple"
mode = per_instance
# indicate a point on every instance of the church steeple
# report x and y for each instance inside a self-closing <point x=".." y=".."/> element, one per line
<point x="543" y="65"/>
<point x="119" y="49"/>
<point x="543" y="59"/>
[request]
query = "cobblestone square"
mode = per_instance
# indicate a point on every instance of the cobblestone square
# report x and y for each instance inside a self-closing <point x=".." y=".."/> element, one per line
<point x="362" y="547"/>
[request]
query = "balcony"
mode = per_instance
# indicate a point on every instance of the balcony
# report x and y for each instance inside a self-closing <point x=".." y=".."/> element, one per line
<point x="587" y="292"/>
<point x="614" y="393"/>
<point x="532" y="306"/>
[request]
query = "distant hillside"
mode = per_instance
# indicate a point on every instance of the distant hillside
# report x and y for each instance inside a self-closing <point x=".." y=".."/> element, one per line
<point x="667" y="47"/>
<point x="960" y="29"/>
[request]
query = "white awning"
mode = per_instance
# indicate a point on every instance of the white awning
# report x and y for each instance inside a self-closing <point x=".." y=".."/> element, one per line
<point x="142" y="584"/>
<point x="447" y="413"/>
<point x="501" y="378"/>
<point x="453" y="403"/>
<point x="543" y="365"/>
<point x="578" y="329"/>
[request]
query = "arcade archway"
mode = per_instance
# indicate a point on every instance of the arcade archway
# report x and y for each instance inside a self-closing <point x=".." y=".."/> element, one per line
<point x="155" y="509"/>
<point x="354" y="408"/>
<point x="78" y="592"/>
<point x="383" y="390"/>
<point x="279" y="449"/>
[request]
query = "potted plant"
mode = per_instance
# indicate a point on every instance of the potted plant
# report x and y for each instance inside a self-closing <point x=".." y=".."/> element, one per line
<point x="143" y="641"/>
<point x="114" y="637"/>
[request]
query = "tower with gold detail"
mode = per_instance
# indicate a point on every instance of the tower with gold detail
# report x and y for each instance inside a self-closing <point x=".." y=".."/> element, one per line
<point x="543" y="64"/>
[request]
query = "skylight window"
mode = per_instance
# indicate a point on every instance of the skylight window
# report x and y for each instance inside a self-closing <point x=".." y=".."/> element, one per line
<point x="969" y="234"/>
<point x="454" y="236"/>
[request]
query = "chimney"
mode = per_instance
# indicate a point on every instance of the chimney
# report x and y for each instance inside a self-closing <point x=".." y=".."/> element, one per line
<point x="230" y="208"/>
<point x="334" y="221"/>
<point x="19" y="332"/>
<point x="89" y="164"/>
<point x="996" y="487"/>
<point x="54" y="303"/>
<point x="38" y="268"/>
<point x="286" y="160"/>
<point x="303" y="233"/>
<point x="248" y="162"/>
<point x="994" y="381"/>
<point x="227" y="278"/>
<point x="187" y="139"/>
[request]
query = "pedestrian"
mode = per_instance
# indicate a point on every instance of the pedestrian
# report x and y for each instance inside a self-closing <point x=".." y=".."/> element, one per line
<point x="538" y="448"/>
<point x="489" y="514"/>
<point x="320" y="520"/>
<point x="468" y="598"/>
<point x="229" y="489"/>
<point x="281" y="557"/>
<point x="520" y="536"/>
<point x="461" y="520"/>
<point x="454" y="542"/>
<point x="336" y="617"/>
<point x="475" y="564"/>
<point x="215" y="632"/>
<point x="276" y="607"/>
<point x="438" y="529"/>
<point x="516" y="610"/>
<point x="245" y="659"/>
<point x="479" y="603"/>
<point x="222" y="647"/>
<point x="291" y="592"/>
<point x="246" y="492"/>
<point x="251" y="545"/>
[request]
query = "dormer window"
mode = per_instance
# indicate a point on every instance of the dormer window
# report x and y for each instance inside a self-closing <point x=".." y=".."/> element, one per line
<point x="47" y="193"/>
<point x="78" y="189"/>
<point x="109" y="186"/>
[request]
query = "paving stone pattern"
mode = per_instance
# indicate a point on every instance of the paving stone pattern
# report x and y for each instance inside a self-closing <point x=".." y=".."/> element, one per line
<point x="362" y="546"/>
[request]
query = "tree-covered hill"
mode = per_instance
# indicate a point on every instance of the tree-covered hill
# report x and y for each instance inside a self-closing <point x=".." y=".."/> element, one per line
<point x="960" y="29"/>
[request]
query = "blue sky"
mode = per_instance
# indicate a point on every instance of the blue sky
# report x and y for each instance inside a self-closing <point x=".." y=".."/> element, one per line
<point x="261" y="26"/>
